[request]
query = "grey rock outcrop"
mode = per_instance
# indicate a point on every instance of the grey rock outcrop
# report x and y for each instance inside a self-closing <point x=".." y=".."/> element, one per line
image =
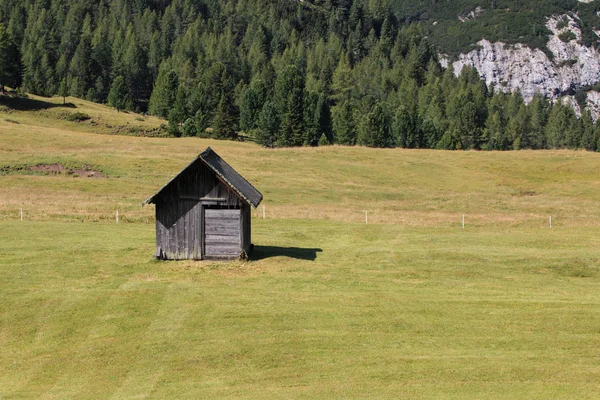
<point x="518" y="67"/>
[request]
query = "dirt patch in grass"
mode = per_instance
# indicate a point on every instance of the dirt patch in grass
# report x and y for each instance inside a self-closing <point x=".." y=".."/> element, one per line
<point x="85" y="171"/>
<point x="50" y="169"/>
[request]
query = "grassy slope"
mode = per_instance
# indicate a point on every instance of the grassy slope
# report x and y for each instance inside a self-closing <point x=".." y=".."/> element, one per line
<point x="416" y="307"/>
<point x="414" y="187"/>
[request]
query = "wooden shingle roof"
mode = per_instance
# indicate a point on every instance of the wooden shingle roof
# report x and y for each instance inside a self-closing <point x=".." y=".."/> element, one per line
<point x="225" y="172"/>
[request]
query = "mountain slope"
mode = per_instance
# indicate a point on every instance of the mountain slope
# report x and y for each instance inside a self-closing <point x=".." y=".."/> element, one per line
<point x="546" y="47"/>
<point x="457" y="26"/>
<point x="289" y="73"/>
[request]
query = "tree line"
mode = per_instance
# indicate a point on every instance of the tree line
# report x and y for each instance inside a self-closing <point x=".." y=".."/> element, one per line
<point x="280" y="72"/>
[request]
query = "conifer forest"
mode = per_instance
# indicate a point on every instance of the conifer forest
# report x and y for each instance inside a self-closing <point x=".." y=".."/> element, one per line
<point x="280" y="72"/>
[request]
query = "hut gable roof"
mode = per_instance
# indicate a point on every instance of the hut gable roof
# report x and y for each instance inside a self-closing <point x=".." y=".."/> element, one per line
<point x="225" y="173"/>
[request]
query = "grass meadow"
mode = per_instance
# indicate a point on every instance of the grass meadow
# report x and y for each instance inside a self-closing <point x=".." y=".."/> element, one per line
<point x="409" y="306"/>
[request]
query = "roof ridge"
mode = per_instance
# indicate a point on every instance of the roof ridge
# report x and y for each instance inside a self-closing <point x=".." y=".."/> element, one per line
<point x="204" y="157"/>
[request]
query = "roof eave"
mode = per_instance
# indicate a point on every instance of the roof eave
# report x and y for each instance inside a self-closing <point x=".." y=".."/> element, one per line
<point x="231" y="186"/>
<point x="151" y="198"/>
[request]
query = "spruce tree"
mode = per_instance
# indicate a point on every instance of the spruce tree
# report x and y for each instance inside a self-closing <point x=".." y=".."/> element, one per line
<point x="268" y="125"/>
<point x="374" y="130"/>
<point x="223" y="124"/>
<point x="289" y="101"/>
<point x="179" y="114"/>
<point x="8" y="60"/>
<point x="251" y="102"/>
<point x="587" y="138"/>
<point x="463" y="130"/>
<point x="558" y="124"/>
<point x="538" y="110"/>
<point x="344" y="126"/>
<point x="406" y="128"/>
<point x="63" y="89"/>
<point x="519" y="128"/>
<point x="323" y="119"/>
<point x="117" y="97"/>
<point x="164" y="93"/>
<point x="495" y="138"/>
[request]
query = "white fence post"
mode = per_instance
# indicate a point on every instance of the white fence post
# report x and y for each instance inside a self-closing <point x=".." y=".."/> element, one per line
<point x="117" y="217"/>
<point x="21" y="213"/>
<point x="264" y="211"/>
<point x="463" y="221"/>
<point x="551" y="221"/>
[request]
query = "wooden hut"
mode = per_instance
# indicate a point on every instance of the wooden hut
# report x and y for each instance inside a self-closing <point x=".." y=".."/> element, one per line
<point x="204" y="212"/>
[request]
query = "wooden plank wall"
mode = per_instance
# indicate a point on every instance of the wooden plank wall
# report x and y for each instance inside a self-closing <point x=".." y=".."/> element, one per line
<point x="183" y="238"/>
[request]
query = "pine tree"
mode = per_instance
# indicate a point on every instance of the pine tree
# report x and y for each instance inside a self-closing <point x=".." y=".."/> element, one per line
<point x="214" y="82"/>
<point x="251" y="102"/>
<point x="519" y="128"/>
<point x="39" y="53"/>
<point x="495" y="138"/>
<point x="596" y="139"/>
<point x="63" y="89"/>
<point x="117" y="97"/>
<point x="8" y="60"/>
<point x="574" y="131"/>
<point x="558" y="123"/>
<point x="164" y="93"/>
<point x="80" y="67"/>
<point x="323" y="119"/>
<point x="223" y="124"/>
<point x="343" y="86"/>
<point x="134" y="63"/>
<point x="268" y="125"/>
<point x="587" y="138"/>
<point x="312" y="133"/>
<point x="374" y="129"/>
<point x="344" y="127"/>
<point x="289" y="101"/>
<point x="464" y="131"/>
<point x="538" y="110"/>
<point x="179" y="114"/>
<point x="406" y="128"/>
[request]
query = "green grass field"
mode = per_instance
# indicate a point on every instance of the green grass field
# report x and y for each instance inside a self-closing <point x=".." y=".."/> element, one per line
<point x="409" y="306"/>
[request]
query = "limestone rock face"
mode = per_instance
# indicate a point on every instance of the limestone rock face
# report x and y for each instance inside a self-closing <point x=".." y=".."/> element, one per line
<point x="593" y="104"/>
<point x="530" y="70"/>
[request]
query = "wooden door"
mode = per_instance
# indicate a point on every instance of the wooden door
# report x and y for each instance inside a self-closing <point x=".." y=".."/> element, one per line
<point x="222" y="233"/>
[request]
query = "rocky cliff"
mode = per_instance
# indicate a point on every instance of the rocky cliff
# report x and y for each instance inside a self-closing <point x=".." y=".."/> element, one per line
<point x="518" y="67"/>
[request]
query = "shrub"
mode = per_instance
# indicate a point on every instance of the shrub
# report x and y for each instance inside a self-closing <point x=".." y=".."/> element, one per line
<point x="78" y="117"/>
<point x="563" y="23"/>
<point x="567" y="36"/>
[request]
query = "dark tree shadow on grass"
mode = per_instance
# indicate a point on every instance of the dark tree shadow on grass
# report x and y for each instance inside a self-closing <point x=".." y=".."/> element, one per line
<point x="299" y="253"/>
<point x="27" y="104"/>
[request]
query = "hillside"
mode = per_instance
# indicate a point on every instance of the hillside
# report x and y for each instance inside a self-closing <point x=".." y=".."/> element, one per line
<point x="288" y="74"/>
<point x="410" y="305"/>
<point x="412" y="187"/>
